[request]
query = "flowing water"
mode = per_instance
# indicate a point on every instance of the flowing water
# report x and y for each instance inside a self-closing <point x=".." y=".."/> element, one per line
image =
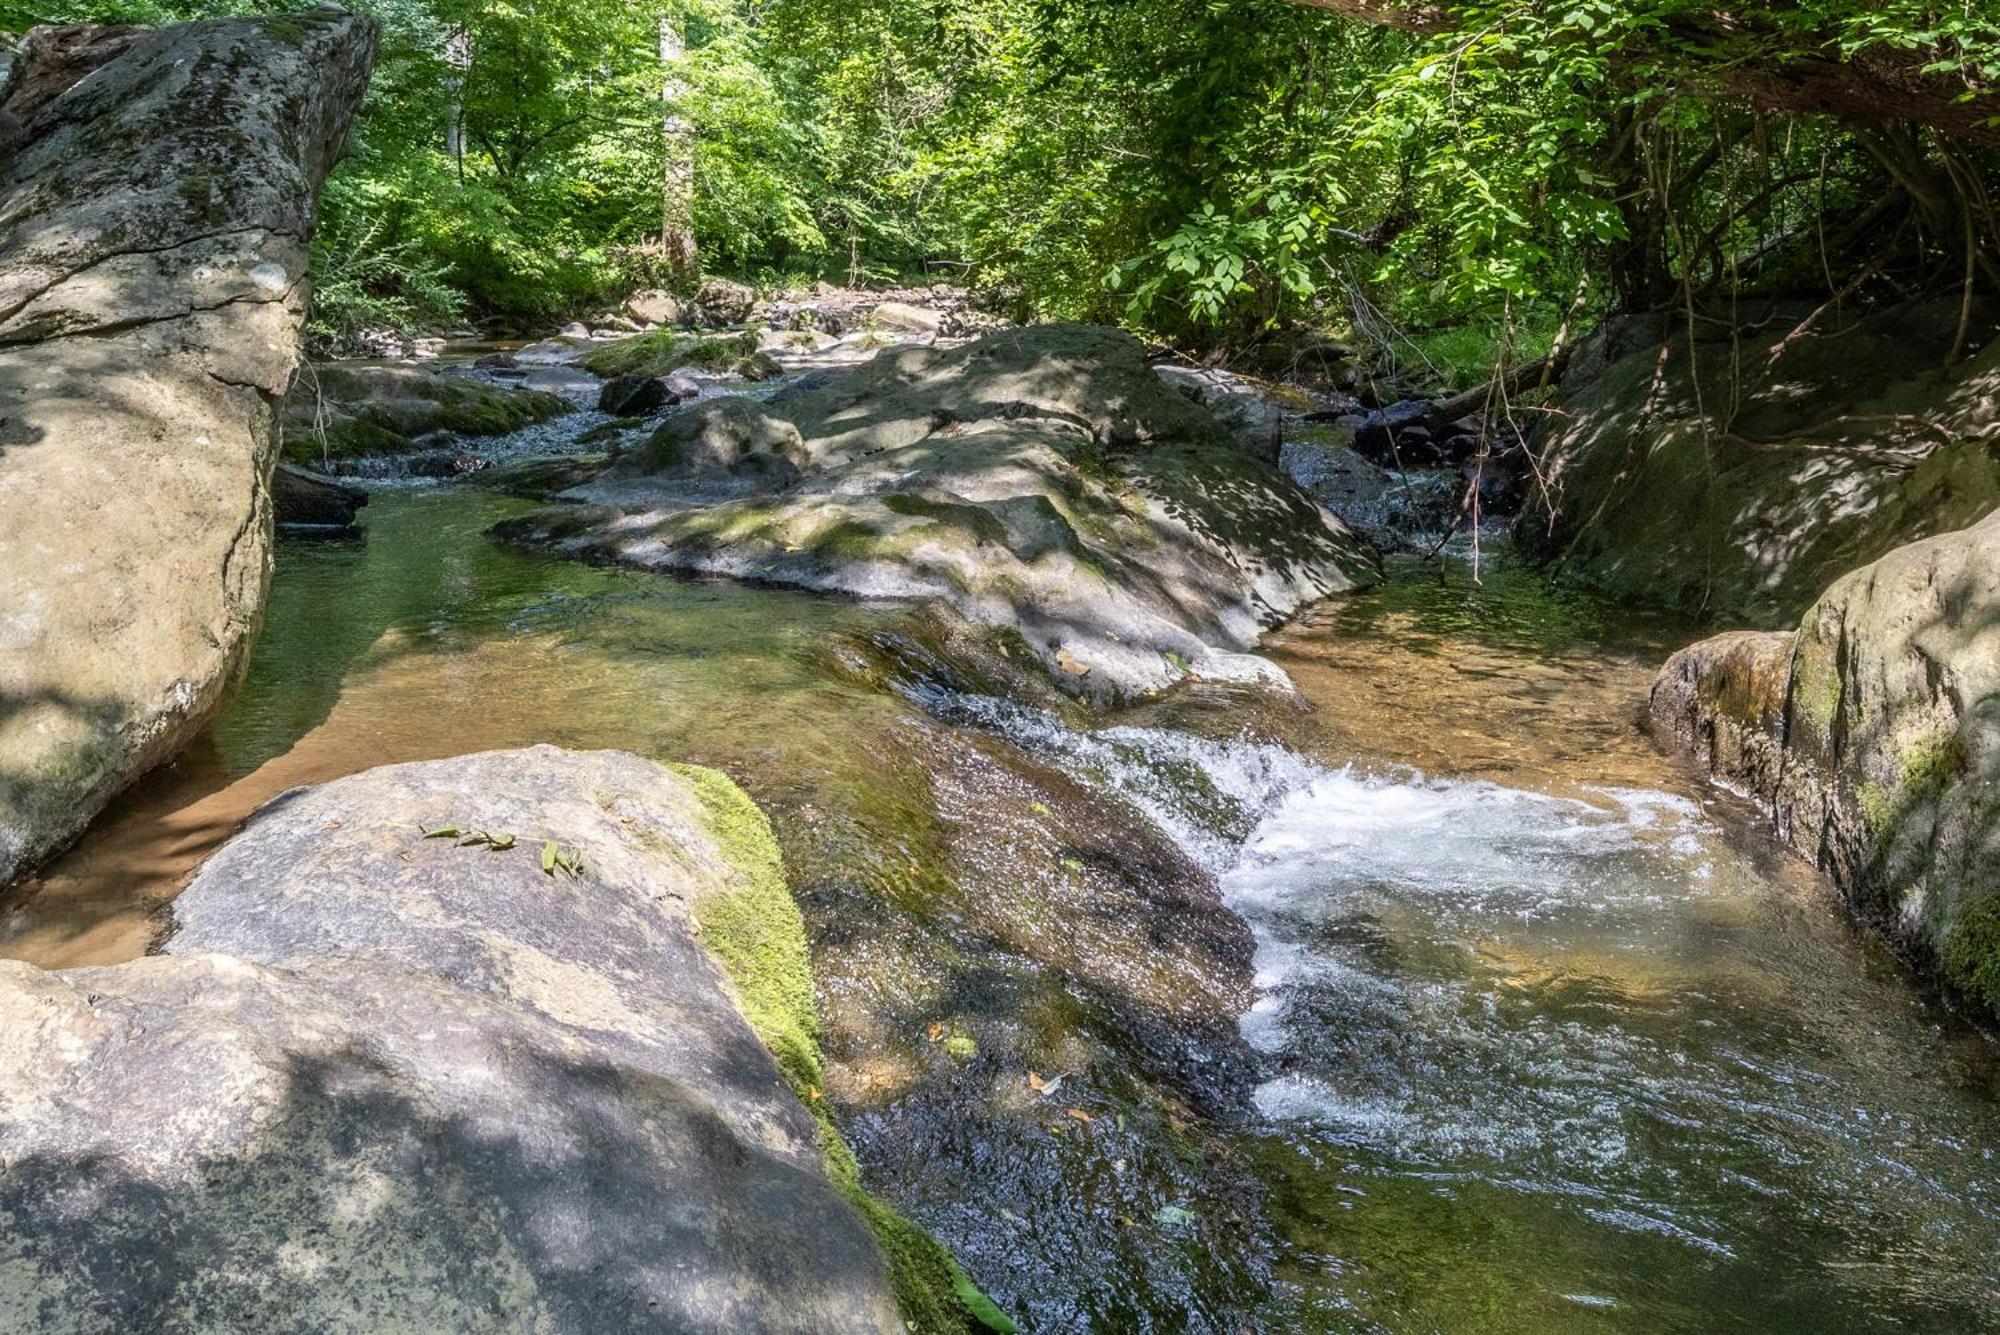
<point x="1542" y="1037"/>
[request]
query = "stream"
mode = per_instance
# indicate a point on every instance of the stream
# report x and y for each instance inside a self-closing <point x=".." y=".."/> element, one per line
<point x="1535" y="1032"/>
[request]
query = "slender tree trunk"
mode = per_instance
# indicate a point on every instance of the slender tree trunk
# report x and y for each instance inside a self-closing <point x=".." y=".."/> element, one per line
<point x="677" y="241"/>
<point x="457" y="56"/>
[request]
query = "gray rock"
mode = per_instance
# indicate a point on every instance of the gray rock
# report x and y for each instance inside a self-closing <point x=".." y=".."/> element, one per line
<point x="1836" y="446"/>
<point x="722" y="302"/>
<point x="903" y="318"/>
<point x="1872" y="737"/>
<point x="1253" y="413"/>
<point x="562" y="350"/>
<point x="724" y="436"/>
<point x="154" y="220"/>
<point x="307" y="500"/>
<point x="383" y="1082"/>
<point x="634" y="396"/>
<point x="654" y="307"/>
<point x="1043" y="483"/>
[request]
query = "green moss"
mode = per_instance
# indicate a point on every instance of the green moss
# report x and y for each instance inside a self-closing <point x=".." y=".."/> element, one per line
<point x="1931" y="762"/>
<point x="663" y="352"/>
<point x="1971" y="951"/>
<point x="656" y="353"/>
<point x="1879" y="811"/>
<point x="340" y="438"/>
<point x="756" y="933"/>
<point x="850" y="539"/>
<point x="975" y="521"/>
<point x="1816" y="688"/>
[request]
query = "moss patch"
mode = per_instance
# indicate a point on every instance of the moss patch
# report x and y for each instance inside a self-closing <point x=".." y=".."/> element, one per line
<point x="757" y="934"/>
<point x="1971" y="951"/>
<point x="663" y="352"/>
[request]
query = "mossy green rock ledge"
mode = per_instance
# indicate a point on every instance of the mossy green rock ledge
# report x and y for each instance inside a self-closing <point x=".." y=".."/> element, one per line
<point x="1043" y="483"/>
<point x="157" y="199"/>
<point x="511" y="1078"/>
<point x="339" y="410"/>
<point x="1872" y="736"/>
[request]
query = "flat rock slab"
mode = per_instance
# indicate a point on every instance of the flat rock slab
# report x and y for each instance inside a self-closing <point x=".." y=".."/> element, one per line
<point x="1043" y="483"/>
<point x="379" y="1081"/>
<point x="157" y="195"/>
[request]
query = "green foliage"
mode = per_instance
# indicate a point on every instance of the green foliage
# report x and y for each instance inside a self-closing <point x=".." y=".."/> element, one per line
<point x="1199" y="171"/>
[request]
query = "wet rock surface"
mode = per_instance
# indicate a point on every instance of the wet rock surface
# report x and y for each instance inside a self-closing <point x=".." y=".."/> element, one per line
<point x="1871" y="735"/>
<point x="154" y="221"/>
<point x="1842" y="440"/>
<point x="306" y="500"/>
<point x="377" y="1078"/>
<point x="1045" y="483"/>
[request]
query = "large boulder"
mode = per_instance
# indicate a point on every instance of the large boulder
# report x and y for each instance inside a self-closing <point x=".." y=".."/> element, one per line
<point x="1872" y="736"/>
<point x="1043" y="483"/>
<point x="156" y="199"/>
<point x="1787" y="458"/>
<point x="382" y="1080"/>
<point x="654" y="307"/>
<point x="723" y="301"/>
<point x="339" y="410"/>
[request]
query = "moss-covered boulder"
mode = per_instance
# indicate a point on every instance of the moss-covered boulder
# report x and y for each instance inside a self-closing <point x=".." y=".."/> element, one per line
<point x="663" y="352"/>
<point x="339" y="410"/>
<point x="1738" y="482"/>
<point x="157" y="196"/>
<point x="1872" y="735"/>
<point x="538" y="1072"/>
<point x="1042" y="482"/>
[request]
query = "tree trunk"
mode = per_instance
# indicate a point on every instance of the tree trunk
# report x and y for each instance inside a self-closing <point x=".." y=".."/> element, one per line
<point x="677" y="241"/>
<point x="458" y="57"/>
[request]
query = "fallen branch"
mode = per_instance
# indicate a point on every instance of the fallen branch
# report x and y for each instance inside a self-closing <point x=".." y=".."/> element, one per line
<point x="1526" y="378"/>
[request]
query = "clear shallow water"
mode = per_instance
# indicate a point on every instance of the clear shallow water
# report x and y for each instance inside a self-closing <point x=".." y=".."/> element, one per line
<point x="1552" y="1043"/>
<point x="1548" y="1043"/>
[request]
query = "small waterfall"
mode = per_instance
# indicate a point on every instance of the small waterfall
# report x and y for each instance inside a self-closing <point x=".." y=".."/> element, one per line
<point x="1544" y="993"/>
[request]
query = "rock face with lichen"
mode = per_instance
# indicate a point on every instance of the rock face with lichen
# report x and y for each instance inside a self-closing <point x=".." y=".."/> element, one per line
<point x="1042" y="482"/>
<point x="1872" y="734"/>
<point x="378" y="1080"/>
<point x="1738" y="483"/>
<point x="157" y="194"/>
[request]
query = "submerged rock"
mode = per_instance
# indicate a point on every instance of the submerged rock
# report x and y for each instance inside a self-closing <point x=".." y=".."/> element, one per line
<point x="1872" y="735"/>
<point x="1044" y="483"/>
<point x="340" y="411"/>
<point x="382" y="1078"/>
<point x="1785" y="459"/>
<point x="157" y="194"/>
